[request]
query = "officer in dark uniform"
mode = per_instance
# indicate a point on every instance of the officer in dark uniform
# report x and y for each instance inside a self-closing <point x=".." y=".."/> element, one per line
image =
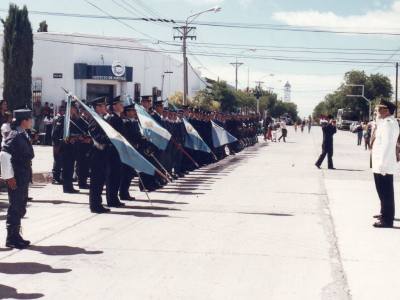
<point x="132" y="134"/>
<point x="57" y="164"/>
<point x="16" y="160"/>
<point x="84" y="146"/>
<point x="114" y="164"/>
<point x="329" y="130"/>
<point x="98" y="158"/>
<point x="68" y="149"/>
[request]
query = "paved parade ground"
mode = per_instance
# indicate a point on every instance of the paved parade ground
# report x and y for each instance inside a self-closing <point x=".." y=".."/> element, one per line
<point x="264" y="224"/>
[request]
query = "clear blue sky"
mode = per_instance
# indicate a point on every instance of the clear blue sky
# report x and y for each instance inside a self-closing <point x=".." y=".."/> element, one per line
<point x="310" y="81"/>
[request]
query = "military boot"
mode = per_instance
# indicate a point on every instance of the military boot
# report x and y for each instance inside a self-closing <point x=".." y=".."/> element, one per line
<point x="14" y="239"/>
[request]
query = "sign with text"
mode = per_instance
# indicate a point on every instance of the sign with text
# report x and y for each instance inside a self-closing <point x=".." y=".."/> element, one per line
<point x="103" y="72"/>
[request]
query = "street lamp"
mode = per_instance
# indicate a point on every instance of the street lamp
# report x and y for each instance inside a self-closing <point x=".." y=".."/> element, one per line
<point x="162" y="82"/>
<point x="369" y="101"/>
<point x="184" y="35"/>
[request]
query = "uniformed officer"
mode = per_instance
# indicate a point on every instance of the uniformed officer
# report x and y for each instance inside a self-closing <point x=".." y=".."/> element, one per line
<point x="329" y="130"/>
<point x="114" y="165"/>
<point x="84" y="146"/>
<point x="98" y="158"/>
<point x="16" y="160"/>
<point x="57" y="164"/>
<point x="132" y="134"/>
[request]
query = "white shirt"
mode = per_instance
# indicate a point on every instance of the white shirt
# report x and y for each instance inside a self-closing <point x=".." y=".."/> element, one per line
<point x="384" y="159"/>
<point x="7" y="170"/>
<point x="283" y="125"/>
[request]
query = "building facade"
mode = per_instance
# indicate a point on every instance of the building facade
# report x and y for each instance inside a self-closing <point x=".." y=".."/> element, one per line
<point x="92" y="66"/>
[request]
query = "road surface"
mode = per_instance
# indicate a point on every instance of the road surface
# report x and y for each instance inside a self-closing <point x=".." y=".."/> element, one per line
<point x="264" y="224"/>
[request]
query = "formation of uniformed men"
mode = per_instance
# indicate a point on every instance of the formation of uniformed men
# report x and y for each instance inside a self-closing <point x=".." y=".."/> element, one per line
<point x="88" y="152"/>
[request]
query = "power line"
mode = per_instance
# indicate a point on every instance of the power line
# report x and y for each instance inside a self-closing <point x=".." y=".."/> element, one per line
<point x="227" y="55"/>
<point x="276" y="27"/>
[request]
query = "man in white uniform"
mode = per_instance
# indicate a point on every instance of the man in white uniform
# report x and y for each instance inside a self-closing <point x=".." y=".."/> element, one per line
<point x="384" y="161"/>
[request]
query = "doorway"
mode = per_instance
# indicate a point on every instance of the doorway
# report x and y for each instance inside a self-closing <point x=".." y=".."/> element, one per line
<point x="99" y="90"/>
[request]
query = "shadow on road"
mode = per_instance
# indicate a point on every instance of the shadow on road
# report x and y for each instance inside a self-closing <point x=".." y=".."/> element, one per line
<point x="55" y="202"/>
<point x="151" y="208"/>
<point x="29" y="268"/>
<point x="161" y="201"/>
<point x="140" y="214"/>
<point x="7" y="292"/>
<point x="266" y="214"/>
<point x="62" y="250"/>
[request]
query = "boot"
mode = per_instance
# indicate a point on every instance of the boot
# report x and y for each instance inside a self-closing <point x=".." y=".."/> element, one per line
<point x="14" y="239"/>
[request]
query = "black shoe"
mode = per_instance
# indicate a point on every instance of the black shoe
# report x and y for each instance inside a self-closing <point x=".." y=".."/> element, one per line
<point x="116" y="204"/>
<point x="14" y="239"/>
<point x="382" y="224"/>
<point x="71" y="191"/>
<point x="318" y="166"/>
<point x="84" y="186"/>
<point x="57" y="182"/>
<point x="100" y="210"/>
<point x="377" y="216"/>
<point x="127" y="198"/>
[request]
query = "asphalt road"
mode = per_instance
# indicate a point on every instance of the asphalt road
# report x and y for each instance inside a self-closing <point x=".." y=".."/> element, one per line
<point x="264" y="224"/>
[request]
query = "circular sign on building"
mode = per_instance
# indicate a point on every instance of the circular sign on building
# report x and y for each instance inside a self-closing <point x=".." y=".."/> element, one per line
<point x="118" y="68"/>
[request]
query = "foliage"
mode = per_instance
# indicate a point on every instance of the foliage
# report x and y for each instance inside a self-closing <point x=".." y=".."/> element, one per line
<point x="223" y="97"/>
<point x="43" y="27"/>
<point x="17" y="58"/>
<point x="377" y="86"/>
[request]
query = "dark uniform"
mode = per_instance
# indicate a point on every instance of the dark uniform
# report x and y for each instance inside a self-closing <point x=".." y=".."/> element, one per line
<point x="18" y="152"/>
<point x="114" y="164"/>
<point x="83" y="148"/>
<point x="98" y="162"/>
<point x="329" y="131"/>
<point x="57" y="164"/>
<point x="132" y="134"/>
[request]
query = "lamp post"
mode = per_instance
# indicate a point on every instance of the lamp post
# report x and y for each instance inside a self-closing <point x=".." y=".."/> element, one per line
<point x="162" y="82"/>
<point x="369" y="101"/>
<point x="184" y="35"/>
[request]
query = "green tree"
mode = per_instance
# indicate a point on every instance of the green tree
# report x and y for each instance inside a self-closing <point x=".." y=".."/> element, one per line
<point x="17" y="58"/>
<point x="376" y="86"/>
<point x="43" y="27"/>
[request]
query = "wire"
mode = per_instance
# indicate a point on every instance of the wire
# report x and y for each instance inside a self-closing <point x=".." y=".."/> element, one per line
<point x="276" y="58"/>
<point x="276" y="27"/>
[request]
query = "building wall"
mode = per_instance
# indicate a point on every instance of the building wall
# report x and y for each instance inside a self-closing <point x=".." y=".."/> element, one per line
<point x="57" y="53"/>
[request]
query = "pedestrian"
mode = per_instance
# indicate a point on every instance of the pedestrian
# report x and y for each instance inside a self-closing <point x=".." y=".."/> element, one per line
<point x="359" y="132"/>
<point x="16" y="159"/>
<point x="295" y="126"/>
<point x="367" y="130"/>
<point x="283" y="130"/>
<point x="302" y="125"/>
<point x="48" y="125"/>
<point x="328" y="130"/>
<point x="384" y="161"/>
<point x="309" y="123"/>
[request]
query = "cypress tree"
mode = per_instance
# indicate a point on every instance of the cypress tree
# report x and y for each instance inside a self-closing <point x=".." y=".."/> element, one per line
<point x="17" y="58"/>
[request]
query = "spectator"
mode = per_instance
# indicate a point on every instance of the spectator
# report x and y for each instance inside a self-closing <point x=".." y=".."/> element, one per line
<point x="48" y="125"/>
<point x="367" y="132"/>
<point x="6" y="127"/>
<point x="283" y="130"/>
<point x="359" y="131"/>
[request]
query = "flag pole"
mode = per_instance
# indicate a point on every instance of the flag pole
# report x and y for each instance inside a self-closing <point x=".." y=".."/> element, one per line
<point x="162" y="167"/>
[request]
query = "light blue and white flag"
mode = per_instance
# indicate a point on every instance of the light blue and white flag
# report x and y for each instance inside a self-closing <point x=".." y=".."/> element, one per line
<point x="193" y="139"/>
<point x="220" y="136"/>
<point x="127" y="153"/>
<point x="151" y="130"/>
<point x="67" y="118"/>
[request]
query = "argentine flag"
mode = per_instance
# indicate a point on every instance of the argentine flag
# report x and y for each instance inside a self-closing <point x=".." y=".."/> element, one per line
<point x="193" y="139"/>
<point x="220" y="136"/>
<point x="127" y="153"/>
<point x="151" y="130"/>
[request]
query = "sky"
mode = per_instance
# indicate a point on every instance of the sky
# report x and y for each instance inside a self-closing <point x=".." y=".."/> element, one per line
<point x="310" y="81"/>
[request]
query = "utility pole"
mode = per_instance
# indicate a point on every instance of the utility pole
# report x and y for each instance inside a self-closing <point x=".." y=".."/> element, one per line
<point x="183" y="35"/>
<point x="397" y="87"/>
<point x="236" y="65"/>
<point x="258" y="94"/>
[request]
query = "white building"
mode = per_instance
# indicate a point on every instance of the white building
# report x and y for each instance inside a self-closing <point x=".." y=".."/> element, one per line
<point x="92" y="66"/>
<point x="287" y="90"/>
